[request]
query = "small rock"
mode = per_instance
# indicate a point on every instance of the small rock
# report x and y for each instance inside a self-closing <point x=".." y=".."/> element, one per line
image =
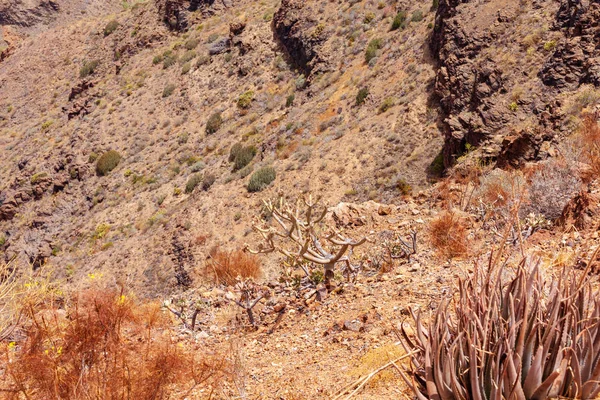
<point x="414" y="268"/>
<point x="384" y="210"/>
<point x="354" y="326"/>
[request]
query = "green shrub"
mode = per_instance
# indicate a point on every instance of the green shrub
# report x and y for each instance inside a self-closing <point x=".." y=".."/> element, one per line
<point x="369" y="17"/>
<point x="550" y="45"/>
<point x="186" y="68"/>
<point x="169" y="60"/>
<point x="233" y="152"/>
<point x="107" y="162"/>
<point x="212" y="37"/>
<point x="202" y="60"/>
<point x="214" y="123"/>
<point x="290" y="100"/>
<point x="399" y="21"/>
<point x="192" y="43"/>
<point x="386" y="105"/>
<point x="372" y="48"/>
<point x="110" y="27"/>
<point x="157" y="59"/>
<point x="93" y="157"/>
<point x="192" y="182"/>
<point x="362" y="96"/>
<point x="208" y="181"/>
<point x="261" y="179"/>
<point x="88" y="68"/>
<point x="187" y="56"/>
<point x="245" y="99"/>
<point x="435" y="4"/>
<point x="417" y="16"/>
<point x="243" y="157"/>
<point x="36" y="178"/>
<point x="168" y="90"/>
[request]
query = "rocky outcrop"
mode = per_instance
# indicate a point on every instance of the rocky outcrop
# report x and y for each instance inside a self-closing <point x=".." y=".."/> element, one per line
<point x="576" y="59"/>
<point x="25" y="13"/>
<point x="466" y="84"/>
<point x="298" y="30"/>
<point x="176" y="13"/>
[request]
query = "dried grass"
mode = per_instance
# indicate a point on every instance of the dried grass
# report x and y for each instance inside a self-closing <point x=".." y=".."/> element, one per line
<point x="590" y="144"/>
<point x="228" y="266"/>
<point x="448" y="235"/>
<point x="102" y="346"/>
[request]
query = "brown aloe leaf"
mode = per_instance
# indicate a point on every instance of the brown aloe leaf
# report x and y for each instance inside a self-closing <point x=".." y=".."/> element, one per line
<point x="534" y="378"/>
<point x="541" y="393"/>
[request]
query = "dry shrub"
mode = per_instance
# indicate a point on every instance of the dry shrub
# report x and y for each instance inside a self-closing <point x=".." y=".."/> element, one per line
<point x="227" y="266"/>
<point x="551" y="187"/>
<point x="102" y="346"/>
<point x="590" y="145"/>
<point x="448" y="234"/>
<point x="499" y="195"/>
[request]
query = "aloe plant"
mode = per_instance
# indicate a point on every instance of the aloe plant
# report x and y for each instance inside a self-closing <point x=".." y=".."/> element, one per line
<point x="509" y="335"/>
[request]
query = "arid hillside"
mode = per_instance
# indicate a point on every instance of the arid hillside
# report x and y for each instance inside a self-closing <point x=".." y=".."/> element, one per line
<point x="147" y="146"/>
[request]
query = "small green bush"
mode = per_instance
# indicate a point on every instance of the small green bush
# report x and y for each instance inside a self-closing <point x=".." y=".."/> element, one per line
<point x="88" y="68"/>
<point x="187" y="56"/>
<point x="110" y="27"/>
<point x="107" y="162"/>
<point x="233" y="152"/>
<point x="417" y="16"/>
<point x="245" y="99"/>
<point x="186" y="68"/>
<point x="369" y="17"/>
<point x="202" y="60"/>
<point x="261" y="179"/>
<point x="372" y="48"/>
<point x="550" y="45"/>
<point x="192" y="43"/>
<point x="194" y="181"/>
<point x="168" y="90"/>
<point x="435" y="4"/>
<point x="212" y="37"/>
<point x="243" y="157"/>
<point x="399" y="21"/>
<point x="169" y="60"/>
<point x="290" y="100"/>
<point x="214" y="123"/>
<point x="157" y="59"/>
<point x="36" y="178"/>
<point x="208" y="181"/>
<point x="386" y="105"/>
<point x="362" y="96"/>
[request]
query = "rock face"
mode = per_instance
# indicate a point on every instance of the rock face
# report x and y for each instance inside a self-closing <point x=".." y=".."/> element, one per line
<point x="298" y="30"/>
<point x="176" y="13"/>
<point x="25" y="13"/>
<point x="577" y="58"/>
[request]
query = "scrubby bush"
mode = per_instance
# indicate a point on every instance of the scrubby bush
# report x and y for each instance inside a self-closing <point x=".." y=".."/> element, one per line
<point x="202" y="60"/>
<point x="208" y="181"/>
<point x="417" y="16"/>
<point x="111" y="27"/>
<point x="157" y="59"/>
<point x="214" y="123"/>
<point x="88" y="68"/>
<point x="261" y="179"/>
<point x="107" y="162"/>
<point x="372" y="48"/>
<point x="399" y="21"/>
<point x="192" y="182"/>
<point x="233" y="152"/>
<point x="228" y="266"/>
<point x="187" y="56"/>
<point x="361" y="96"/>
<point x="245" y="99"/>
<point x="169" y="59"/>
<point x="448" y="234"/>
<point x="290" y="100"/>
<point x="386" y="105"/>
<point x="243" y="157"/>
<point x="102" y="344"/>
<point x="186" y="68"/>
<point x="192" y="43"/>
<point x="168" y="90"/>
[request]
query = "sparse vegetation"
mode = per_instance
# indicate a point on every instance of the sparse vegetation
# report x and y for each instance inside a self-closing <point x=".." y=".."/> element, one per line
<point x="448" y="234"/>
<point x="386" y="105"/>
<point x="361" y="96"/>
<point x="261" y="178"/>
<point x="230" y="266"/>
<point x="111" y="27"/>
<point x="243" y="157"/>
<point x="168" y="90"/>
<point x="245" y="99"/>
<point x="88" y="68"/>
<point x="207" y="181"/>
<point x="107" y="162"/>
<point x="399" y="21"/>
<point x="417" y="16"/>
<point x="192" y="43"/>
<point x="214" y="123"/>
<point x="192" y="182"/>
<point x="372" y="49"/>
<point x="290" y="100"/>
